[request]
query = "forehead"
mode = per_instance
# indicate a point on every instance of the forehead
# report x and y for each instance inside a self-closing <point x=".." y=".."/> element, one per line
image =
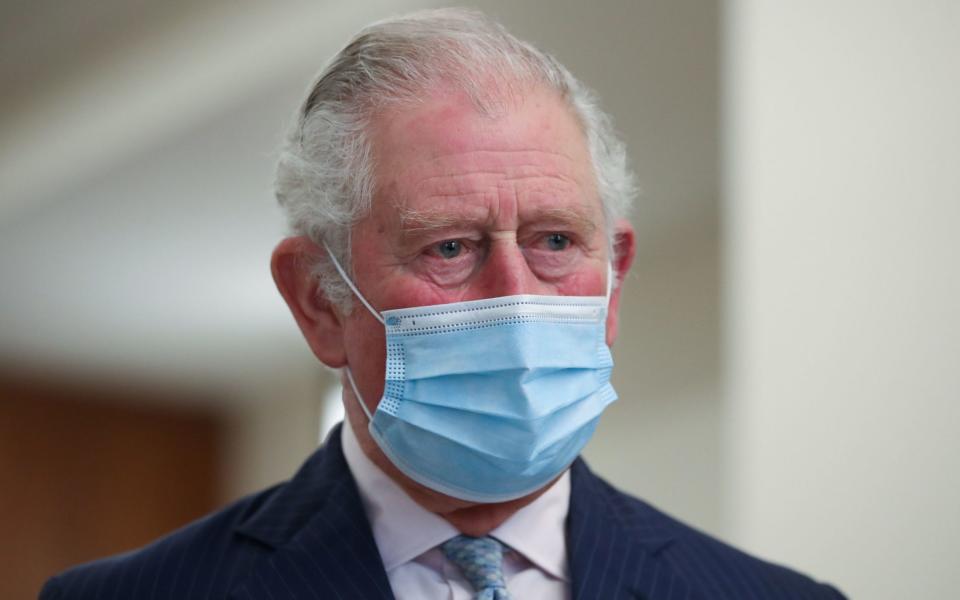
<point x="444" y="148"/>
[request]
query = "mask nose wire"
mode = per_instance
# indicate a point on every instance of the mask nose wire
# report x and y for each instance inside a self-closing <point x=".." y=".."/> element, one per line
<point x="353" y="288"/>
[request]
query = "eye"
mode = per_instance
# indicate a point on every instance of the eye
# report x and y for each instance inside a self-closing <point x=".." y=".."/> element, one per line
<point x="557" y="242"/>
<point x="449" y="248"/>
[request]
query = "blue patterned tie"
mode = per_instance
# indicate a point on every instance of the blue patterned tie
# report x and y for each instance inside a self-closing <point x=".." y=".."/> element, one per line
<point x="481" y="562"/>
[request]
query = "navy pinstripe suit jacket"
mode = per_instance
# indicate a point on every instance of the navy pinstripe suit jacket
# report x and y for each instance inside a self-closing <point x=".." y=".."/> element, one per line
<point x="309" y="538"/>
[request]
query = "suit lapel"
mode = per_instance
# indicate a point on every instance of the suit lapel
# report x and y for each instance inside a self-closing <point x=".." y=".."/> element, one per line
<point x="615" y="545"/>
<point x="322" y="543"/>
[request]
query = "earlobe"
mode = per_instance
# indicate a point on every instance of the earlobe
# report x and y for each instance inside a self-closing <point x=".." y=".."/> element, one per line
<point x="319" y="321"/>
<point x="624" y="248"/>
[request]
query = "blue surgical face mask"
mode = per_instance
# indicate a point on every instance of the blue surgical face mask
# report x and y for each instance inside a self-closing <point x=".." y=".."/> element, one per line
<point x="490" y="400"/>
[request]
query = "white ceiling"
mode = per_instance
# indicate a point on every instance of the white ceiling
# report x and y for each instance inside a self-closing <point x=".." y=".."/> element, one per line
<point x="136" y="212"/>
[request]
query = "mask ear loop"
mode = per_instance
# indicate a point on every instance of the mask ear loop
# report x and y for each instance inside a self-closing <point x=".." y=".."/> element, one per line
<point x="353" y="288"/>
<point x="356" y="393"/>
<point x="376" y="315"/>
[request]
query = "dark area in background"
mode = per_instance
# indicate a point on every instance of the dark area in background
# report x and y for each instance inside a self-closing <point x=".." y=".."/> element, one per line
<point x="88" y="470"/>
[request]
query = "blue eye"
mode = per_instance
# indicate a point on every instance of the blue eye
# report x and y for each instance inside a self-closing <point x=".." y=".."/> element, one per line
<point x="557" y="241"/>
<point x="449" y="248"/>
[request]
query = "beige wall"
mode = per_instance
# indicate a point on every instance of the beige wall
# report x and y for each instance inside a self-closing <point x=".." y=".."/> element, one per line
<point x="844" y="288"/>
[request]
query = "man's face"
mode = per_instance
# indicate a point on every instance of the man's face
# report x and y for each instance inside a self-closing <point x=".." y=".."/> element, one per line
<point x="469" y="206"/>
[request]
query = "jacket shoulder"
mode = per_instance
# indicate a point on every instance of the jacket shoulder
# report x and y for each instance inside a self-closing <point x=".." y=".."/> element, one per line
<point x="711" y="566"/>
<point x="200" y="560"/>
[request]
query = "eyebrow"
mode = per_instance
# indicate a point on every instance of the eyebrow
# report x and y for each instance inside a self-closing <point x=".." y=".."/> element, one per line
<point x="414" y="221"/>
<point x="418" y="222"/>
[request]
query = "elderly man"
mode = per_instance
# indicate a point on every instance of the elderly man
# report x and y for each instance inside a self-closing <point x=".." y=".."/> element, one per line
<point x="458" y="202"/>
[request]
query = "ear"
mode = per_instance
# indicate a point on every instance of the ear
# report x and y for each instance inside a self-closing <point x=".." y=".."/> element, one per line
<point x="320" y="321"/>
<point x="624" y="248"/>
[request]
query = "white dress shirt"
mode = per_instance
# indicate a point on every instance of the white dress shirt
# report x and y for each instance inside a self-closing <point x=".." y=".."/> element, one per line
<point x="408" y="537"/>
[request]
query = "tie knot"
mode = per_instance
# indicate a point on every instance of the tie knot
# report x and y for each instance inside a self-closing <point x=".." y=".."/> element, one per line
<point x="481" y="562"/>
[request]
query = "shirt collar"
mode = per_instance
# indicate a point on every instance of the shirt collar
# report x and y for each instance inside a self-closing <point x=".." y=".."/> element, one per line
<point x="538" y="530"/>
<point x="403" y="530"/>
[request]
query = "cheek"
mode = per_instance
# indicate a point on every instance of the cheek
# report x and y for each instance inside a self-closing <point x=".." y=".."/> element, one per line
<point x="366" y="338"/>
<point x="590" y="283"/>
<point x="366" y="356"/>
<point x="408" y="290"/>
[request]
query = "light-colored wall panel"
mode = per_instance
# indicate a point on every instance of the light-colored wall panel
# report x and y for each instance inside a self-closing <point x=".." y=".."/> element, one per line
<point x="844" y="329"/>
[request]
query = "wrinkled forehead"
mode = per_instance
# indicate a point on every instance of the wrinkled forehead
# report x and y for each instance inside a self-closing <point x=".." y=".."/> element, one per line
<point x="445" y="140"/>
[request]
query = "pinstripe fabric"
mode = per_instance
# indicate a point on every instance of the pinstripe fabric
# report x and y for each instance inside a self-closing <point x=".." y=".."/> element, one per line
<point x="621" y="547"/>
<point x="309" y="538"/>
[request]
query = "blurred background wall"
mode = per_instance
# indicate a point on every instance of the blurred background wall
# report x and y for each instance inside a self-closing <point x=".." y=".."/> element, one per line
<point x="788" y="355"/>
<point x="843" y="287"/>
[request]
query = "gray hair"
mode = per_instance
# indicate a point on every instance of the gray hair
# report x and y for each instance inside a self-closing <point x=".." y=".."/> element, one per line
<point x="324" y="179"/>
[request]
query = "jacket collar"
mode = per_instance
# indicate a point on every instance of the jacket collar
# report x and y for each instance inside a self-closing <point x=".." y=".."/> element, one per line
<point x="616" y="544"/>
<point x="321" y="539"/>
